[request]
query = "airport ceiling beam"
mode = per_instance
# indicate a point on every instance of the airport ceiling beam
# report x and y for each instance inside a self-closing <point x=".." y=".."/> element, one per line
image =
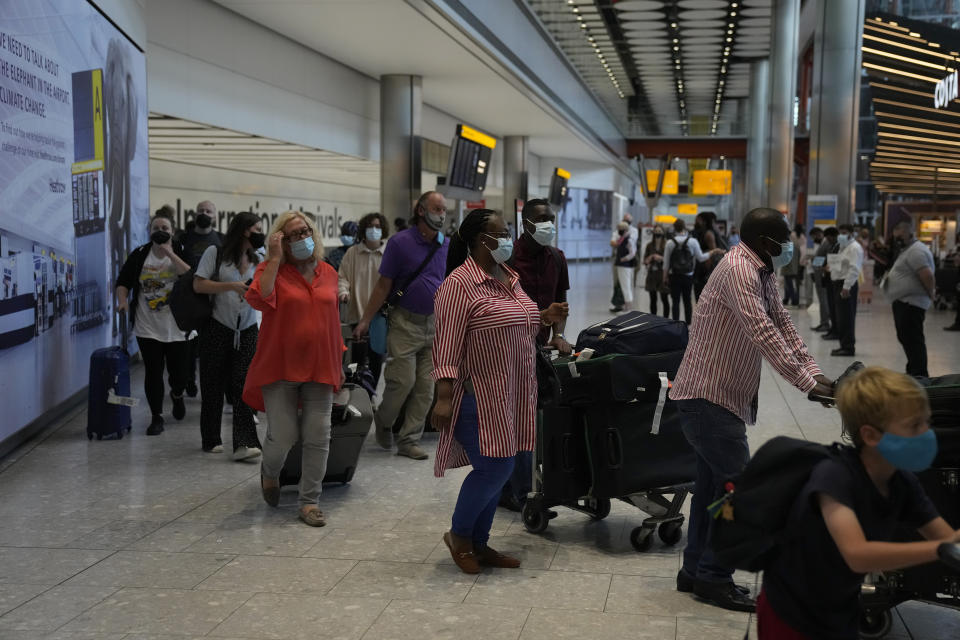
<point x="688" y="147"/>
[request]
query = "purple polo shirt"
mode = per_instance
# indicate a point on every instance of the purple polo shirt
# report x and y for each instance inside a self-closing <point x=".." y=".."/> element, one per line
<point x="401" y="257"/>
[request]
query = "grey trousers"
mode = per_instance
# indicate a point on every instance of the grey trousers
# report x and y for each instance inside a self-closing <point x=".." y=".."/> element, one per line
<point x="407" y="375"/>
<point x="281" y="400"/>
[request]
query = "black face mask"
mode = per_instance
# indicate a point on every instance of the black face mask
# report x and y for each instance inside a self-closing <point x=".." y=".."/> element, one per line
<point x="900" y="242"/>
<point x="160" y="237"/>
<point x="204" y="221"/>
<point x="257" y="239"/>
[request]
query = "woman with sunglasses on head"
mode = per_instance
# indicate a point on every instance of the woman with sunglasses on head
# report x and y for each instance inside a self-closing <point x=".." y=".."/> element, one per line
<point x="483" y="360"/>
<point x="229" y="339"/>
<point x="298" y="364"/>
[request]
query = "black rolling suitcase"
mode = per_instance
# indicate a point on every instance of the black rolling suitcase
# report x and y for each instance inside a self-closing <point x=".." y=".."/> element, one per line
<point x="634" y="332"/>
<point x="108" y="396"/>
<point x="632" y="449"/>
<point x="562" y="448"/>
<point x="943" y="393"/>
<point x="350" y="426"/>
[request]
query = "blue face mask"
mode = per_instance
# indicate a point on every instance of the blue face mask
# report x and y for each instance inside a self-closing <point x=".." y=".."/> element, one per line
<point x="302" y="249"/>
<point x="373" y="234"/>
<point x="913" y="453"/>
<point x="786" y="255"/>
<point x="347" y="241"/>
<point x="503" y="251"/>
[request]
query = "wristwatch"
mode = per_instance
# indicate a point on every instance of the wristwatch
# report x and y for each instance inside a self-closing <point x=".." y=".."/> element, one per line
<point x="559" y="336"/>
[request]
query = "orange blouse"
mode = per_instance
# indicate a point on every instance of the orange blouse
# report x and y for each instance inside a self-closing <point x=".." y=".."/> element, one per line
<point x="300" y="338"/>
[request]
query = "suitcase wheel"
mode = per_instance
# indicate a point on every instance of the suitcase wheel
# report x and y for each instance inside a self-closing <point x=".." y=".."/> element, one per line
<point x="875" y="624"/>
<point x="642" y="538"/>
<point x="670" y="532"/>
<point x="89" y="436"/>
<point x="99" y="436"/>
<point x="535" y="520"/>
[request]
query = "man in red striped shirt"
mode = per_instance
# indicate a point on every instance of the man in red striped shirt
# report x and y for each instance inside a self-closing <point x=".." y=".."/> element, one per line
<point x="739" y="321"/>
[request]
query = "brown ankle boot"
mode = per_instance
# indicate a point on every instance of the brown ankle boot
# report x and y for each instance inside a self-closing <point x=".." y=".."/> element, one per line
<point x="492" y="558"/>
<point x="462" y="551"/>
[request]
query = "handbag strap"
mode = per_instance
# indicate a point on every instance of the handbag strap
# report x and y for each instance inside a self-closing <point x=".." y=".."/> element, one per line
<point x="396" y="295"/>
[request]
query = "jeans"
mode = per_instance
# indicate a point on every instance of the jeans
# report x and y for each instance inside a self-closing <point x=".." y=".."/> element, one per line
<point x="719" y="439"/>
<point x="846" y="315"/>
<point x="223" y="371"/>
<point x="665" y="301"/>
<point x="312" y="426"/>
<point x="175" y="356"/>
<point x="520" y="482"/>
<point x="480" y="491"/>
<point x="791" y="293"/>
<point x="681" y="287"/>
<point x="909" y="322"/>
<point x="407" y="374"/>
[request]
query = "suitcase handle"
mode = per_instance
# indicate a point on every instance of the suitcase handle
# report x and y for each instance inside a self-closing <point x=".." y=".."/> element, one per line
<point x="566" y="453"/>
<point x="614" y="449"/>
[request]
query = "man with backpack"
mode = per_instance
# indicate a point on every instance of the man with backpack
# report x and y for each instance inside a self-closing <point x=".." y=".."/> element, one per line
<point x="681" y="256"/>
<point x="740" y="321"/>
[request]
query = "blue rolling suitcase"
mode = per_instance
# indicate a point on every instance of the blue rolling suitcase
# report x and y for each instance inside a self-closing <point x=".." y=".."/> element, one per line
<point x="109" y="402"/>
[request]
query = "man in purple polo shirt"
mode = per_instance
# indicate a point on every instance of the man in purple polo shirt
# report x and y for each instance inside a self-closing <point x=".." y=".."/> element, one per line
<point x="410" y="332"/>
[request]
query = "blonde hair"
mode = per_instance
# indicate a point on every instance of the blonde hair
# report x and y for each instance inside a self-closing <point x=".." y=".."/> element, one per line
<point x="284" y="218"/>
<point x="877" y="396"/>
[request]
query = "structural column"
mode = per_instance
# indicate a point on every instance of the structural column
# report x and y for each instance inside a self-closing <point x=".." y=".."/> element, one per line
<point x="514" y="174"/>
<point x="758" y="131"/>
<point x="401" y="102"/>
<point x="835" y="108"/>
<point x="783" y="89"/>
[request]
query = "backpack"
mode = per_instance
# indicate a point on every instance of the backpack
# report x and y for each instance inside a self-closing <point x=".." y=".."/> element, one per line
<point x="190" y="309"/>
<point x="751" y="520"/>
<point x="681" y="258"/>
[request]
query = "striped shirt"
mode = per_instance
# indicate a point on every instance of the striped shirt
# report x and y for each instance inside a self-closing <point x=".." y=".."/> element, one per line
<point x="740" y="320"/>
<point x="486" y="333"/>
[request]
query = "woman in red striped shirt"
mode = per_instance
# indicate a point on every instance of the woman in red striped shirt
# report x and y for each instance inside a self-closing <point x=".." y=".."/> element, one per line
<point x="483" y="359"/>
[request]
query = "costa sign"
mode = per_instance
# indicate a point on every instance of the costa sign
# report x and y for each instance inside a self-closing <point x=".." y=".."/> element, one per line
<point x="945" y="91"/>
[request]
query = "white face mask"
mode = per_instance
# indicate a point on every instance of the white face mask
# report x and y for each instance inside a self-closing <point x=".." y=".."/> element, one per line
<point x="544" y="233"/>
<point x="374" y="234"/>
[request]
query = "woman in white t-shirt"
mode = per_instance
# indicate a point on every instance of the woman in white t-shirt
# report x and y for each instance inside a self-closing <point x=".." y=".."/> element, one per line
<point x="229" y="339"/>
<point x="150" y="273"/>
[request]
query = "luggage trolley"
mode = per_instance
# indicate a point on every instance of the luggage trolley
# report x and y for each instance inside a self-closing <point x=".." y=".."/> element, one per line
<point x="613" y="435"/>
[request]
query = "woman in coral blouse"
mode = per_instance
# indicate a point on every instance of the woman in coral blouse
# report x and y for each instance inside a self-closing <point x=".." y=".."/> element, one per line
<point x="298" y="359"/>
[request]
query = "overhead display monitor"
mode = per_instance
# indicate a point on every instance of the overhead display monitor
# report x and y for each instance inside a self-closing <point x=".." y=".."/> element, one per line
<point x="558" y="186"/>
<point x="687" y="208"/>
<point x="671" y="182"/>
<point x="712" y="183"/>
<point x="469" y="163"/>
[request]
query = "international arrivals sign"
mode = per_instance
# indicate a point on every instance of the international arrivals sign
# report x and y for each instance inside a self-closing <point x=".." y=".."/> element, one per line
<point x="945" y="91"/>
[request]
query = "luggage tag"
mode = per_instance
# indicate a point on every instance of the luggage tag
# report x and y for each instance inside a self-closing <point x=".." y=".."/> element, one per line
<point x="126" y="401"/>
<point x="661" y="402"/>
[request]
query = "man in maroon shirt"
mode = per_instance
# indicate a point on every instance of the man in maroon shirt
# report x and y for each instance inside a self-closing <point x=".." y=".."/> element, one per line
<point x="543" y="275"/>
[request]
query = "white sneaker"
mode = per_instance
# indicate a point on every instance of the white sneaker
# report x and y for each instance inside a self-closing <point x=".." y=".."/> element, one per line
<point x="245" y="453"/>
<point x="216" y="449"/>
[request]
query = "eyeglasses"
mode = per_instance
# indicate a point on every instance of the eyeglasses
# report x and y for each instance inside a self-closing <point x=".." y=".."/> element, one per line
<point x="300" y="234"/>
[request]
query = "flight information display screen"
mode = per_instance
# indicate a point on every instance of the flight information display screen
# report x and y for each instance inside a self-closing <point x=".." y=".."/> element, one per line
<point x="470" y="159"/>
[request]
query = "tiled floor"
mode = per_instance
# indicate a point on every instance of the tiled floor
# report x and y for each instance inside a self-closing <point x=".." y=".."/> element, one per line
<point x="148" y="538"/>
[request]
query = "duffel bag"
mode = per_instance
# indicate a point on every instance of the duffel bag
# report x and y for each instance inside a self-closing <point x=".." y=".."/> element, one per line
<point x="634" y="333"/>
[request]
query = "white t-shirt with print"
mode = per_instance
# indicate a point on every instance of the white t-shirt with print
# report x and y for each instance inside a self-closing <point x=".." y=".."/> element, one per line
<point x="154" y="319"/>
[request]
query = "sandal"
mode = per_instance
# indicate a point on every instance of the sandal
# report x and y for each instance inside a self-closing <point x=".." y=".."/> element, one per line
<point x="271" y="495"/>
<point x="313" y="517"/>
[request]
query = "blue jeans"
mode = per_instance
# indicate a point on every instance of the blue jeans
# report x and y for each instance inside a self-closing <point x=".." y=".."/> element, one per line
<point x="720" y="441"/>
<point x="520" y="482"/>
<point x="480" y="492"/>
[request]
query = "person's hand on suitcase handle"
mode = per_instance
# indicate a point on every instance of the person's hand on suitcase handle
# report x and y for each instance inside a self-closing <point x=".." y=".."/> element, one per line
<point x="442" y="414"/>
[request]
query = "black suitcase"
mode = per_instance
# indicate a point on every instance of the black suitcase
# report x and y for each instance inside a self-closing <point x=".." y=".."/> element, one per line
<point x="563" y="452"/>
<point x="635" y="333"/>
<point x="108" y="396"/>
<point x="350" y="425"/>
<point x="943" y="394"/>
<point x="627" y="456"/>
<point x="614" y="377"/>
